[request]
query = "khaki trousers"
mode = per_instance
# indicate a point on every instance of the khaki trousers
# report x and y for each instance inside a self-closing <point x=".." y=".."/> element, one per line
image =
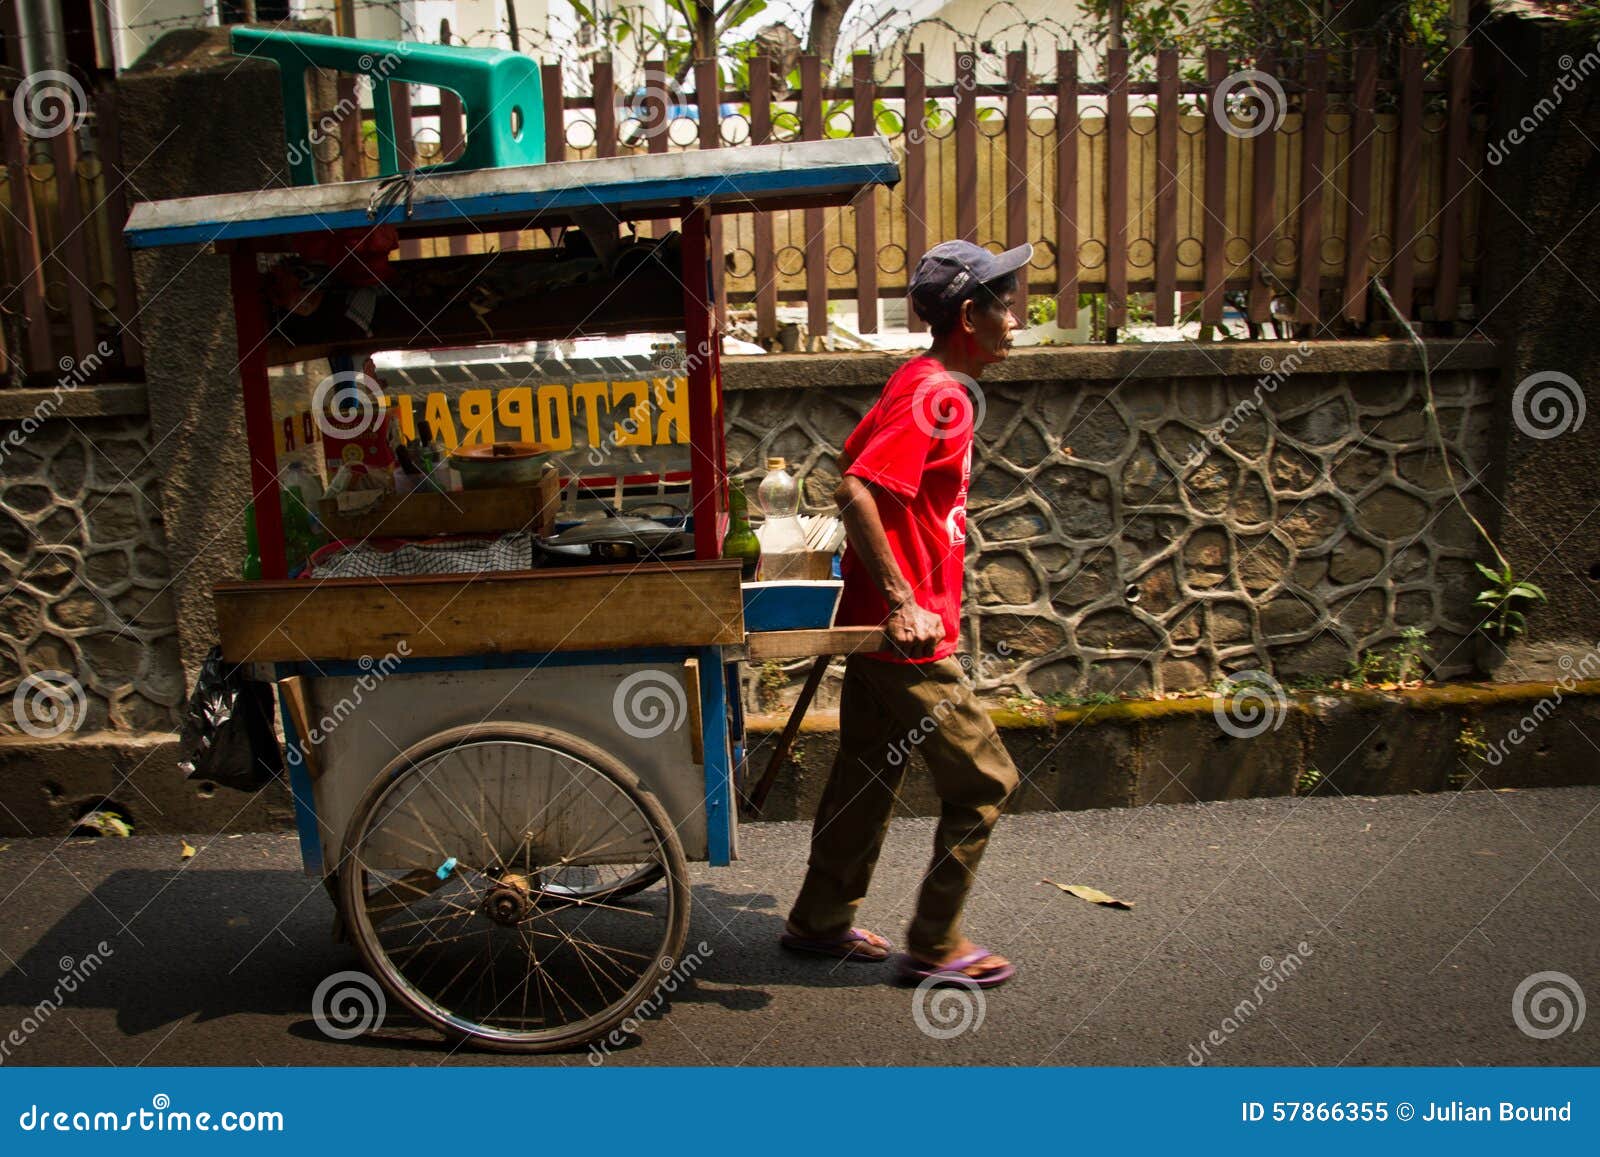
<point x="886" y="712"/>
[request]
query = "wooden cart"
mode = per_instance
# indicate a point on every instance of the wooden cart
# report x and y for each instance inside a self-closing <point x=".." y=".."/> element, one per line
<point x="503" y="776"/>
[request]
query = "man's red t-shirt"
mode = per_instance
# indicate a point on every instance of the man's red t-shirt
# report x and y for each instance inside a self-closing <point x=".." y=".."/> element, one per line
<point x="915" y="444"/>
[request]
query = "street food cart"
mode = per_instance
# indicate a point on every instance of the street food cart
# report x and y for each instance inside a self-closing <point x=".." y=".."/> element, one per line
<point x="502" y="775"/>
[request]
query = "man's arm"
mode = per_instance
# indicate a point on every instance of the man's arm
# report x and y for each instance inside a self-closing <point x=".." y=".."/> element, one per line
<point x="912" y="630"/>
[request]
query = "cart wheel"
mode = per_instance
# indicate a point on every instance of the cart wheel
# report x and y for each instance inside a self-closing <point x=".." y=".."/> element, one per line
<point x="479" y="882"/>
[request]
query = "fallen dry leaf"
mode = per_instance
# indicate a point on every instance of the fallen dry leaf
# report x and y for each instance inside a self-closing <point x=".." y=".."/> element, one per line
<point x="188" y="851"/>
<point x="1093" y="895"/>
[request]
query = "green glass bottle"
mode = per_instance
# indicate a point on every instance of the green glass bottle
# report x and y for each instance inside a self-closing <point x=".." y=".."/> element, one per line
<point x="250" y="570"/>
<point x="741" y="542"/>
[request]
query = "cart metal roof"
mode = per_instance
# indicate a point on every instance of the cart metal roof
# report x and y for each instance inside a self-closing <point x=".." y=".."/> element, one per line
<point x="728" y="180"/>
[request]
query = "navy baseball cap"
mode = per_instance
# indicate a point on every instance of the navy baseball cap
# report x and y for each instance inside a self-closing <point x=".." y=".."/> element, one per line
<point x="951" y="270"/>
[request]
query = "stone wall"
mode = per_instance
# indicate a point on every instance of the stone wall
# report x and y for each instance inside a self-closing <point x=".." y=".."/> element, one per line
<point x="1101" y="558"/>
<point x="85" y="568"/>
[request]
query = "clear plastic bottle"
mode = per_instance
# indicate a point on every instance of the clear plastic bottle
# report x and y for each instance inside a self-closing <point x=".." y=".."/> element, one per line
<point x="783" y="540"/>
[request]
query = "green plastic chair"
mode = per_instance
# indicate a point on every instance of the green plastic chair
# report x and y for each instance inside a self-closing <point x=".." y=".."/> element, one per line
<point x="500" y="93"/>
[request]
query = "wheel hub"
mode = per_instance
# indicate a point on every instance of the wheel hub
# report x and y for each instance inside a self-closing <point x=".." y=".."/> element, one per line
<point x="509" y="901"/>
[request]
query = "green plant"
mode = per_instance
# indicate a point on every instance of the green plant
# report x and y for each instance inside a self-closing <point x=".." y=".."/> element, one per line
<point x="770" y="685"/>
<point x="1469" y="741"/>
<point x="1041" y="309"/>
<point x="1307" y="781"/>
<point x="1504" y="597"/>
<point x="1406" y="660"/>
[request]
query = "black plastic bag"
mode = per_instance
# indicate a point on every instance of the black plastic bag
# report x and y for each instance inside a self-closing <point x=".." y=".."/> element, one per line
<point x="228" y="735"/>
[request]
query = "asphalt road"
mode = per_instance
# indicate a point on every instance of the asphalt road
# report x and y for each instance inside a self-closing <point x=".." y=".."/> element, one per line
<point x="1420" y="917"/>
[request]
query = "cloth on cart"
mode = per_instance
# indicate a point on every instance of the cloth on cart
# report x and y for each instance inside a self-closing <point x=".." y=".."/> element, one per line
<point x="437" y="556"/>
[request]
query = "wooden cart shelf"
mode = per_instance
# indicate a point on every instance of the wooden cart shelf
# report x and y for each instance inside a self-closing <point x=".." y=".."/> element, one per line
<point x="690" y="604"/>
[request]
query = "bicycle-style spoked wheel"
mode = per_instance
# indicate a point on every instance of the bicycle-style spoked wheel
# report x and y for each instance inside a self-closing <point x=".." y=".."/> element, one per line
<point x="480" y="881"/>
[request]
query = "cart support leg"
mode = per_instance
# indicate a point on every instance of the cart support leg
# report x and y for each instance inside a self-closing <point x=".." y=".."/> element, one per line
<point x="719" y="769"/>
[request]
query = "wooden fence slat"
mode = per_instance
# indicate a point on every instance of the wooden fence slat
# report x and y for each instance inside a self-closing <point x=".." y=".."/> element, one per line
<point x="350" y="167"/>
<point x="605" y="109"/>
<point x="405" y="145"/>
<point x="452" y="140"/>
<point x="966" y="146"/>
<point x="766" y="268"/>
<point x="1166" y="185"/>
<point x="1457" y="171"/>
<point x="915" y="136"/>
<point x="1263" y="201"/>
<point x="74" y="254"/>
<point x="816" y="242"/>
<point x="1216" y="190"/>
<point x="116" y="204"/>
<point x="1358" y="232"/>
<point x="866" y="205"/>
<point x="707" y="88"/>
<point x="555" y="115"/>
<point x="1408" y="182"/>
<point x="1066" y="187"/>
<point x="1313" y="142"/>
<point x="1116" y="190"/>
<point x="1017" y="183"/>
<point x="658" y="95"/>
<point x="27" y="256"/>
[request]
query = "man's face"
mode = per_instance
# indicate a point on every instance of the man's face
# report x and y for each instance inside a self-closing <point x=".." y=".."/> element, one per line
<point x="990" y="319"/>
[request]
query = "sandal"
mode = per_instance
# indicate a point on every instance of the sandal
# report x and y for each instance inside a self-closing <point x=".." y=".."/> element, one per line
<point x="857" y="944"/>
<point x="914" y="971"/>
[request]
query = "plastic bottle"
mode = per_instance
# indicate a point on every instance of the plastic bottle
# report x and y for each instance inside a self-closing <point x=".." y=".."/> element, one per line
<point x="783" y="539"/>
<point x="741" y="542"/>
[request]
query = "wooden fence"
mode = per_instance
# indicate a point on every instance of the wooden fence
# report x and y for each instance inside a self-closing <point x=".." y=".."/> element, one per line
<point x="1284" y="205"/>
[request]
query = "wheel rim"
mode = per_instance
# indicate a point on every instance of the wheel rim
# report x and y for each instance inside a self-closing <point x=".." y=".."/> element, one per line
<point x="483" y="876"/>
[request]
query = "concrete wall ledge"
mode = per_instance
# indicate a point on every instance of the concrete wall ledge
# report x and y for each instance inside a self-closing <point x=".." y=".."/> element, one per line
<point x="1117" y="363"/>
<point x="111" y="400"/>
<point x="1432" y="738"/>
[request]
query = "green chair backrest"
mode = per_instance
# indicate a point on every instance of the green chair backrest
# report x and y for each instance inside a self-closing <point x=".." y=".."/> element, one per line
<point x="500" y="94"/>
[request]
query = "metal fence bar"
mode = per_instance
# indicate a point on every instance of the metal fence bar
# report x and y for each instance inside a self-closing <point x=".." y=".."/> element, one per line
<point x="1215" y="198"/>
<point x="1359" y="191"/>
<point x="1116" y="190"/>
<point x="1166" y="186"/>
<point x="766" y="266"/>
<point x="706" y="91"/>
<point x="966" y="147"/>
<point x="1066" y="186"/>
<point x="1408" y="183"/>
<point x="815" y="222"/>
<point x="1263" y="210"/>
<point x="1457" y="171"/>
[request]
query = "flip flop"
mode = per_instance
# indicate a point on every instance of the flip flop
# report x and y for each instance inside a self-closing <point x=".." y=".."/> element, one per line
<point x="914" y="971"/>
<point x="842" y="947"/>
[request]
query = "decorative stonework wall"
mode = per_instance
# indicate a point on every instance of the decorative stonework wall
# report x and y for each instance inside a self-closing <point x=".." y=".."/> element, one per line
<point x="86" y="572"/>
<point x="1100" y="559"/>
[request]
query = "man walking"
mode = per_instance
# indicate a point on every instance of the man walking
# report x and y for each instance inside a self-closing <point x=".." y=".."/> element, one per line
<point x="903" y="500"/>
